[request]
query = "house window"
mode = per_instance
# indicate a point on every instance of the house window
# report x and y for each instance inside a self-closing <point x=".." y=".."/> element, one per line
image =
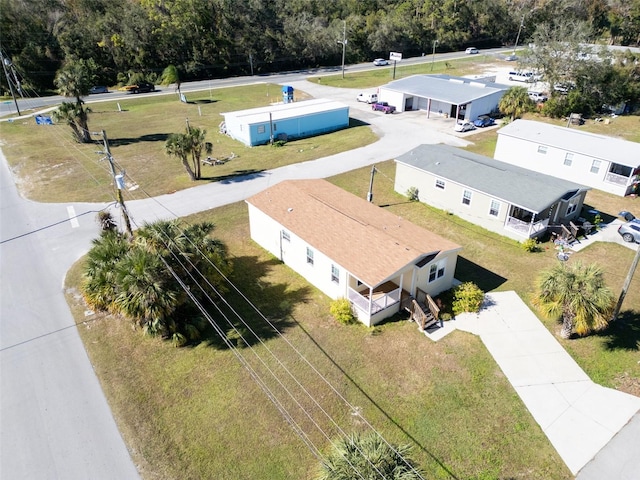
<point x="261" y="129"/>
<point x="622" y="170"/>
<point x="439" y="184"/>
<point x="335" y="274"/>
<point x="571" y="208"/>
<point x="595" y="166"/>
<point x="494" y="209"/>
<point x="466" y="197"/>
<point x="568" y="159"/>
<point x="542" y="149"/>
<point x="309" y="256"/>
<point x="286" y="236"/>
<point x="436" y="270"/>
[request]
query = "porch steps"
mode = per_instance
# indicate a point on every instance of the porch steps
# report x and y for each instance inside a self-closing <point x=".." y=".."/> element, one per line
<point x="422" y="315"/>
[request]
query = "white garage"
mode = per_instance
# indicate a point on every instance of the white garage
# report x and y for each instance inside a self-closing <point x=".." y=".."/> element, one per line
<point x="455" y="97"/>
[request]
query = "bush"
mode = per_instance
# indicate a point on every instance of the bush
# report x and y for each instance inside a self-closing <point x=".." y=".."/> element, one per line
<point x="467" y="297"/>
<point x="530" y="245"/>
<point x="340" y="309"/>
<point x="412" y="194"/>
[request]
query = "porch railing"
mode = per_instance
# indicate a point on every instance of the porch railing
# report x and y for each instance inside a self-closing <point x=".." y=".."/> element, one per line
<point x="377" y="304"/>
<point x="617" y="179"/>
<point x="526" y="228"/>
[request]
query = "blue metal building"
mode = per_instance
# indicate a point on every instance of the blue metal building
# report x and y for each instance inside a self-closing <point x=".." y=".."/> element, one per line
<point x="257" y="126"/>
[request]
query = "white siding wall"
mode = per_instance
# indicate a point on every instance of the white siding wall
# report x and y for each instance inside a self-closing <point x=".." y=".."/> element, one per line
<point x="524" y="153"/>
<point x="450" y="199"/>
<point x="266" y="232"/>
<point x="392" y="98"/>
<point x="236" y="130"/>
<point x="439" y="284"/>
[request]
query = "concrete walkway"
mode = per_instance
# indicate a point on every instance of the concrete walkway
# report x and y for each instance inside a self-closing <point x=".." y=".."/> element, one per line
<point x="578" y="416"/>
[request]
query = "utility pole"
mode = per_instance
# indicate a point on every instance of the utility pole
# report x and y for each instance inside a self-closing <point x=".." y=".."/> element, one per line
<point x="7" y="63"/>
<point x="370" y="193"/>
<point x="344" y="43"/>
<point x="119" y="182"/>
<point x="518" y="37"/>
<point x="433" y="56"/>
<point x="627" y="282"/>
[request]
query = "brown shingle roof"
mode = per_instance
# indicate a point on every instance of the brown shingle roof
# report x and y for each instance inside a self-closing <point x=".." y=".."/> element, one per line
<point x="370" y="242"/>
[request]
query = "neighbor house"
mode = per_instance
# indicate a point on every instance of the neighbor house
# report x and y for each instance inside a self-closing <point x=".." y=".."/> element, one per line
<point x="283" y="121"/>
<point x="509" y="200"/>
<point x="456" y="97"/>
<point x="606" y="163"/>
<point x="350" y="248"/>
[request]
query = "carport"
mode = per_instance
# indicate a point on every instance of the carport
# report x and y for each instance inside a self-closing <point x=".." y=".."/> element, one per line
<point x="455" y="97"/>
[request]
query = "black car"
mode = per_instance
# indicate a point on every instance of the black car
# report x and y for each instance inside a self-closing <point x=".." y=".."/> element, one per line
<point x="144" y="87"/>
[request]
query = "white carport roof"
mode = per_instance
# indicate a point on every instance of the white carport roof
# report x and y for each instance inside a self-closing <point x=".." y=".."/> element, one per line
<point x="445" y="88"/>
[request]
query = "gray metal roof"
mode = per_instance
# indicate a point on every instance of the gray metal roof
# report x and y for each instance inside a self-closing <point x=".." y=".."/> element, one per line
<point x="445" y="88"/>
<point x="573" y="140"/>
<point x="519" y="186"/>
<point x="281" y="111"/>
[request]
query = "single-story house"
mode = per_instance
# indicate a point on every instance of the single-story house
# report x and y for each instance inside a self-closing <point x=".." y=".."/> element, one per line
<point x="456" y="97"/>
<point x="350" y="248"/>
<point x="602" y="162"/>
<point x="509" y="200"/>
<point x="257" y="126"/>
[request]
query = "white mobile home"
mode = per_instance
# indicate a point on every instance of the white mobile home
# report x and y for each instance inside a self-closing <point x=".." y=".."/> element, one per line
<point x="512" y="201"/>
<point x="257" y="126"/>
<point x="350" y="248"/>
<point x="456" y="97"/>
<point x="605" y="163"/>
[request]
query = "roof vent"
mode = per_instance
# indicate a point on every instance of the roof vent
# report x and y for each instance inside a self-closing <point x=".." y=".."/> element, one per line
<point x="289" y="209"/>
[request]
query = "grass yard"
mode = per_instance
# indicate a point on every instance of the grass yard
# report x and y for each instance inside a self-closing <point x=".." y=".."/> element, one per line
<point x="196" y="412"/>
<point x="51" y="167"/>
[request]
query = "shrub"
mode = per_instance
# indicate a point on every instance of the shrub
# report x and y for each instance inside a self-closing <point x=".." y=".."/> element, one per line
<point x="412" y="194"/>
<point x="467" y="297"/>
<point x="340" y="309"/>
<point x="530" y="245"/>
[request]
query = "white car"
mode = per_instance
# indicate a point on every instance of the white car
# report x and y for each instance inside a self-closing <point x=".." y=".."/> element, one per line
<point x="367" y="97"/>
<point x="380" y="62"/>
<point x="537" y="97"/>
<point x="471" y="51"/>
<point x="464" y="127"/>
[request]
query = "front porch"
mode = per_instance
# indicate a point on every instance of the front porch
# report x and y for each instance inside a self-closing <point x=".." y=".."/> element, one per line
<point x="374" y="304"/>
<point x="524" y="223"/>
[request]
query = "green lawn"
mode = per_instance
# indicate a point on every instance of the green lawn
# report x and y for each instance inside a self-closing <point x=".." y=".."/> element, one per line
<point x="196" y="413"/>
<point x="51" y="167"/>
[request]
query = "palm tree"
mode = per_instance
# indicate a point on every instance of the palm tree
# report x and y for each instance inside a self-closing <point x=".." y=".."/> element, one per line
<point x="73" y="80"/>
<point x="198" y="143"/>
<point x="515" y="102"/>
<point x="368" y="457"/>
<point x="576" y="293"/>
<point x="179" y="145"/>
<point x="169" y="76"/>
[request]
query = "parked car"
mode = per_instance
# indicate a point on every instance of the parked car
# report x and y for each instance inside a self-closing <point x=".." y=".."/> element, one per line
<point x="471" y="51"/>
<point x="367" y="97"/>
<point x="464" y="127"/>
<point x="562" y="88"/>
<point x="98" y="89"/>
<point x="380" y="62"/>
<point x="630" y="231"/>
<point x="538" y="97"/>
<point x="383" y="107"/>
<point x="527" y="77"/>
<point x="142" y="87"/>
<point x="484" y="121"/>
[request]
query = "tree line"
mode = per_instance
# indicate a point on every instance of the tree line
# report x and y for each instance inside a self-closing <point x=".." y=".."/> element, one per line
<point x="134" y="40"/>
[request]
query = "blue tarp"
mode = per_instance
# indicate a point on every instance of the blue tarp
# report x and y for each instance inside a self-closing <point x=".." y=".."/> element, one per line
<point x="43" y="120"/>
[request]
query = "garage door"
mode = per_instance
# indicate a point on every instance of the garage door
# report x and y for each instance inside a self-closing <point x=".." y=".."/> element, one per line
<point x="422" y="103"/>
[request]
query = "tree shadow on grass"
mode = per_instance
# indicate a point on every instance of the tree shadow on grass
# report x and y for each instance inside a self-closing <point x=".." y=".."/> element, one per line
<point x="624" y="333"/>
<point x="239" y="319"/>
<point x="153" y="137"/>
<point x="468" y="271"/>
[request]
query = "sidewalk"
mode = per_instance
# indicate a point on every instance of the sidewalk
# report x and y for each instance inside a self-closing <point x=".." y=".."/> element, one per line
<point x="608" y="233"/>
<point x="578" y="416"/>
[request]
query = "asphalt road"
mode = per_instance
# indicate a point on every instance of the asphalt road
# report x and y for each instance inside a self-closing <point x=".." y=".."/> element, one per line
<point x="29" y="106"/>
<point x="55" y="421"/>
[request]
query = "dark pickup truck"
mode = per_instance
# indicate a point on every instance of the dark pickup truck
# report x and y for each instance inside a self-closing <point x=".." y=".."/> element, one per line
<point x="383" y="107"/>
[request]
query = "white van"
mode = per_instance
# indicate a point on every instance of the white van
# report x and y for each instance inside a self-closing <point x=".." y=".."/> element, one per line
<point x="367" y="97"/>
<point x="522" y="77"/>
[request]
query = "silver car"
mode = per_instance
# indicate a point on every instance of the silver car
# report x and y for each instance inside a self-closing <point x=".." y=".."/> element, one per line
<point x="630" y="231"/>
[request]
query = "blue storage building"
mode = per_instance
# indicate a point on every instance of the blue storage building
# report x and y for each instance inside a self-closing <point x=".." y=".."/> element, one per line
<point x="257" y="126"/>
